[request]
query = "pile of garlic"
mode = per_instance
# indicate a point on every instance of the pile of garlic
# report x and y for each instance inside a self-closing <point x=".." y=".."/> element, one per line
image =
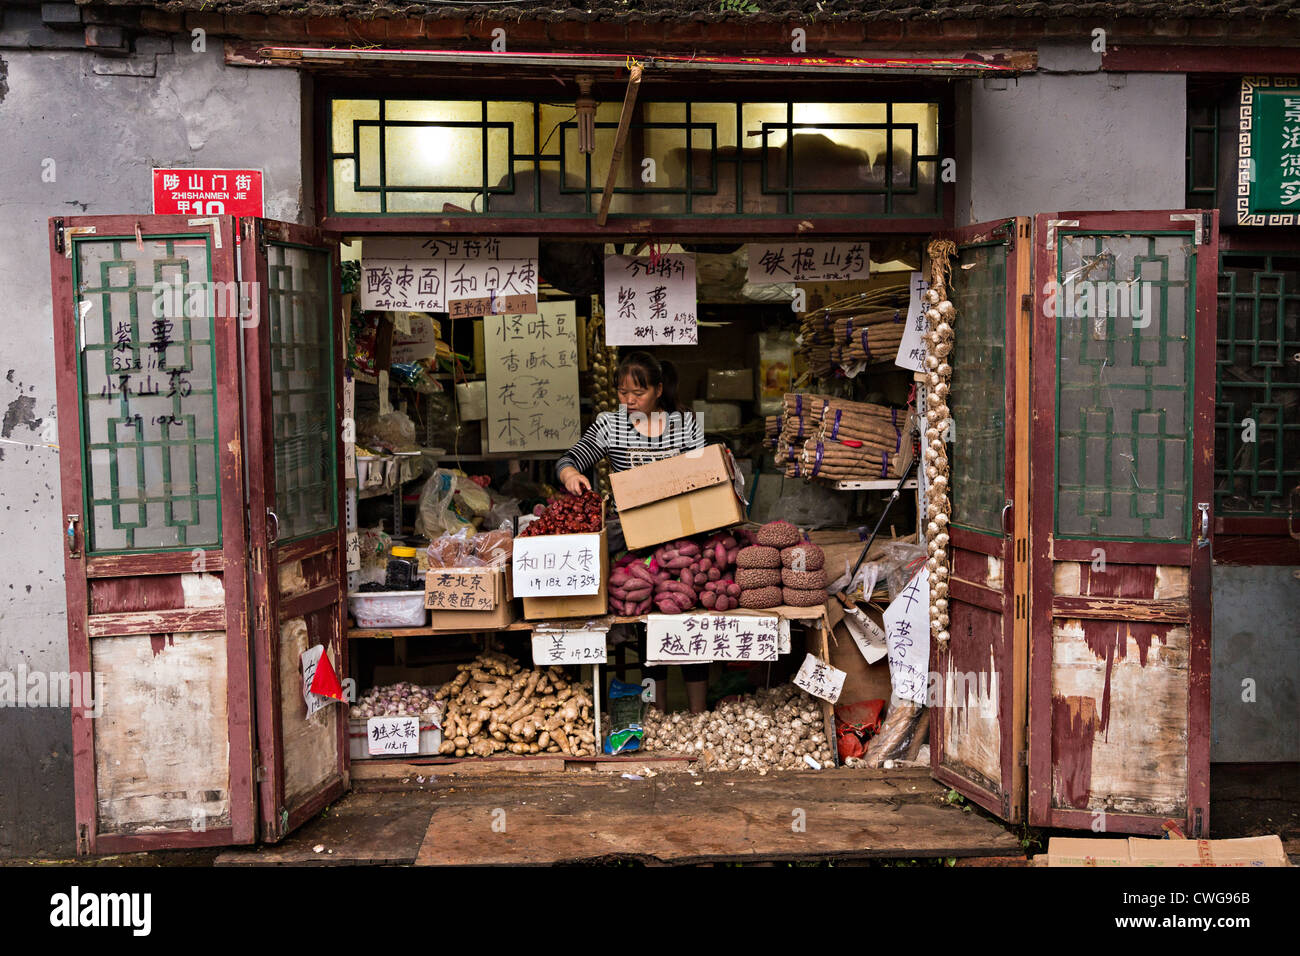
<point x="771" y="730"/>
<point x="396" y="700"/>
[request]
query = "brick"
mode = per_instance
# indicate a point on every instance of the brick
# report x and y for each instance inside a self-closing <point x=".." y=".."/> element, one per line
<point x="252" y="28"/>
<point x="565" y="35"/>
<point x="883" y="31"/>
<point x="213" y="24"/>
<point x="959" y="30"/>
<point x="1202" y="29"/>
<point x="287" y="28"/>
<point x="105" y="38"/>
<point x="162" y="22"/>
<point x="614" y="34"/>
<point x="1168" y="28"/>
<point x="436" y="29"/>
<point x="328" y="28"/>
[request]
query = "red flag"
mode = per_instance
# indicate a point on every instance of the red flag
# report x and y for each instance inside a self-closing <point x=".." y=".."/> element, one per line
<point x="325" y="682"/>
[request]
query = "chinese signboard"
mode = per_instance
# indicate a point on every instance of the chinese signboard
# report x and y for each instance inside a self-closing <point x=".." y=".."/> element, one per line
<point x="911" y="350"/>
<point x="711" y="637"/>
<point x="583" y="646"/>
<point x="461" y="589"/>
<point x="907" y="635"/>
<point x="820" y="679"/>
<point x="462" y="277"/>
<point x="550" y="565"/>
<point x="532" y="379"/>
<point x="392" y="735"/>
<point x="772" y="263"/>
<point x="1268" y="173"/>
<point x="650" y="301"/>
<point x="207" y="192"/>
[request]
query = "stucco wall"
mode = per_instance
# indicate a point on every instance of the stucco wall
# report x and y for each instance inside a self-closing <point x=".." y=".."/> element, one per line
<point x="103" y="133"/>
<point x="1070" y="137"/>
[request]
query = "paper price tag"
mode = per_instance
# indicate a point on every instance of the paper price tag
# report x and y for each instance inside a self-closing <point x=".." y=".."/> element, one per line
<point x="310" y="661"/>
<point x="393" y="735"/>
<point x="820" y="679"/>
<point x="556" y="564"/>
<point x="568" y="647"/>
<point x="911" y="350"/>
<point x="354" y="551"/>
<point x="711" y="637"/>
<point x="907" y="634"/>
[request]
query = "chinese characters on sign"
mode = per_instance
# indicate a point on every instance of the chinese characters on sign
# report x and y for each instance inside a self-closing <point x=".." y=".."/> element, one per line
<point x="650" y="302"/>
<point x="392" y="735"/>
<point x="581" y="646"/>
<point x="710" y="637"/>
<point x="532" y="379"/>
<point x="462" y="277"/>
<point x="310" y="661"/>
<point x="207" y="192"/>
<point x="820" y="679"/>
<point x="911" y="350"/>
<point x="907" y="634"/>
<point x="551" y="565"/>
<point x="772" y="263"/>
<point x="460" y="589"/>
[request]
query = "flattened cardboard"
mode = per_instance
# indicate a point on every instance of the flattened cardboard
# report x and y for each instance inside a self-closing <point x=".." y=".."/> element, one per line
<point x="1139" y="851"/>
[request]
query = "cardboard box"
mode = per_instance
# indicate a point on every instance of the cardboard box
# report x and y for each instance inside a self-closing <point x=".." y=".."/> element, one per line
<point x="469" y="599"/>
<point x="575" y="605"/>
<point x="717" y="414"/>
<point x="1137" y="851"/>
<point x="730" y="385"/>
<point x="677" y="497"/>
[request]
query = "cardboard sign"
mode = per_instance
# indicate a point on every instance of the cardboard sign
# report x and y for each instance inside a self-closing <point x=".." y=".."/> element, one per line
<point x="393" y="735"/>
<point x="820" y="679"/>
<point x="582" y="646"/>
<point x="911" y="350"/>
<point x="552" y="565"/>
<point x="907" y="634"/>
<point x="774" y="263"/>
<point x="207" y="192"/>
<point x="460" y="589"/>
<point x="532" y="379"/>
<point x="396" y="285"/>
<point x="462" y="277"/>
<point x="650" y="303"/>
<point x="691" y="638"/>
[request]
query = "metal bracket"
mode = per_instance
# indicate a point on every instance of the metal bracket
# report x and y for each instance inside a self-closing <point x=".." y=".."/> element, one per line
<point x="1053" y="225"/>
<point x="58" y="236"/>
<point x="1200" y="224"/>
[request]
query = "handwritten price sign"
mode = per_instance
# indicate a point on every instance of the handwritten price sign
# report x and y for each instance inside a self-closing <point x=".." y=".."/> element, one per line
<point x="568" y="647"/>
<point x="711" y="637"/>
<point x="820" y="679"/>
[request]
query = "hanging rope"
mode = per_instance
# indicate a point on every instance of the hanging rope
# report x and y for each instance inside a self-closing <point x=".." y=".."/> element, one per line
<point x="940" y="317"/>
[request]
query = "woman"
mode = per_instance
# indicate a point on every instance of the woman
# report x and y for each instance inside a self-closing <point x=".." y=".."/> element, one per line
<point x="650" y="424"/>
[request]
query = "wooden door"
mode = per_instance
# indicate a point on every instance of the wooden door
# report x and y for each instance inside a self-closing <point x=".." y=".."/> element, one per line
<point x="1121" y="475"/>
<point x="154" y="548"/>
<point x="977" y="721"/>
<point x="293" y="347"/>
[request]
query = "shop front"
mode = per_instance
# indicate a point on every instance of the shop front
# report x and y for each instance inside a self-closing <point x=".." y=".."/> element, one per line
<point x="315" y="533"/>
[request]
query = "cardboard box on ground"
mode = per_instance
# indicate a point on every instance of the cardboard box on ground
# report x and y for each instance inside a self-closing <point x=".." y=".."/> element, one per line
<point x="677" y="497"/>
<point x="1137" y="851"/>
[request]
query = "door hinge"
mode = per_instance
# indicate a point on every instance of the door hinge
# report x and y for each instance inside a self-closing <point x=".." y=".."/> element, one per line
<point x="1022" y="758"/>
<point x="1197" y="823"/>
<point x="1207" y="225"/>
<point x="1026" y="304"/>
<point x="83" y="839"/>
<point x="261" y="616"/>
<point x="58" y="236"/>
<point x="1006" y="805"/>
<point x="255" y="560"/>
<point x="259" y="772"/>
<point x="259" y="226"/>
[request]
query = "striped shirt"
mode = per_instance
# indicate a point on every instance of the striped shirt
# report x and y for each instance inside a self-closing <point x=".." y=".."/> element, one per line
<point x="613" y="436"/>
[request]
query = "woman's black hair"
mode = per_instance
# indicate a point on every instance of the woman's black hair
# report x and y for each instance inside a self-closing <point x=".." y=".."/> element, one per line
<point x="646" y="372"/>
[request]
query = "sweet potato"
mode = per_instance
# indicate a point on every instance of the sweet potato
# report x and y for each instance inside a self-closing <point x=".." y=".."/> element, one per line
<point x="641" y="571"/>
<point x="688" y="547"/>
<point x="637" y="595"/>
<point x="667" y="605"/>
<point x="708" y="599"/>
<point x="687" y="578"/>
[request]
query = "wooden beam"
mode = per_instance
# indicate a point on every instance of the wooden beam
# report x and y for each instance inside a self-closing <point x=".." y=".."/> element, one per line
<point x="620" y="140"/>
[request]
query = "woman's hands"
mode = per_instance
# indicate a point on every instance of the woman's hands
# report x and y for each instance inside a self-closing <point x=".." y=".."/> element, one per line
<point x="574" y="482"/>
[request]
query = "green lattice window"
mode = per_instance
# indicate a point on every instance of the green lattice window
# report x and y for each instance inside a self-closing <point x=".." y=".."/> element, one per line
<point x="1257" y="392"/>
<point x="148" y="409"/>
<point x="978" y="387"/>
<point x="521" y="158"/>
<point x="302" y="389"/>
<point x="1124" y="354"/>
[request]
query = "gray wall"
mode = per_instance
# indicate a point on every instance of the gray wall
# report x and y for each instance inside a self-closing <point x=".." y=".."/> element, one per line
<point x="104" y="130"/>
<point x="1070" y="138"/>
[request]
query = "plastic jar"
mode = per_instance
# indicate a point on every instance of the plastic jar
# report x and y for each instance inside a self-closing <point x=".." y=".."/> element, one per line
<point x="402" y="565"/>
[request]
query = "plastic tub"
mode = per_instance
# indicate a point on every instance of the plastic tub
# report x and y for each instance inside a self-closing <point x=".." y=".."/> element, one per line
<point x="388" y="608"/>
<point x="430" y="738"/>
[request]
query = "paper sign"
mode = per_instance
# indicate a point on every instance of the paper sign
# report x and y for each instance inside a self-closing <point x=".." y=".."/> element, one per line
<point x="711" y="637"/>
<point x="911" y="350"/>
<point x="531" y="363"/>
<point x="462" y="277"/>
<point x="484" y="287"/>
<point x="551" y="565"/>
<point x="354" y="551"/>
<point x="310" y="661"/>
<point x="780" y="262"/>
<point x="650" y="303"/>
<point x="820" y="679"/>
<point x="783" y="639"/>
<point x="907" y="633"/>
<point x="460" y="589"/>
<point x="207" y="192"/>
<point x="581" y="646"/>
<point x="493" y="249"/>
<point x="393" y="735"/>
<point x="393" y="285"/>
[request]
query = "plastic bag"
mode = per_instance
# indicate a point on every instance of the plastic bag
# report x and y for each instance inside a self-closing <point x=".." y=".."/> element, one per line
<point x="494" y="547"/>
<point x="447" y="550"/>
<point x="900" y="563"/>
<point x="394" y="431"/>
<point x="438" y="511"/>
<point x="626" y="713"/>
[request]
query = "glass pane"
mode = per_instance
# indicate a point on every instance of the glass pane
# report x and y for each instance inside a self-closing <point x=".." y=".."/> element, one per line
<point x="978" y="362"/>
<point x="148" y="394"/>
<point x="302" y="392"/>
<point x="346" y="198"/>
<point x="345" y="113"/>
<point x="439" y="157"/>
<point x="1124" y="407"/>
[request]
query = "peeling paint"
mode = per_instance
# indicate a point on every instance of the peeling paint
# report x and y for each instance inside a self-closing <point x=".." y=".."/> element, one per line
<point x="18" y="413"/>
<point x="1105" y="638"/>
<point x="1074" y="724"/>
<point x="157" y="642"/>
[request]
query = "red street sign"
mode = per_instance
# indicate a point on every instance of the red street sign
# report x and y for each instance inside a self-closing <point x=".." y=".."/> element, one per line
<point x="207" y="192"/>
